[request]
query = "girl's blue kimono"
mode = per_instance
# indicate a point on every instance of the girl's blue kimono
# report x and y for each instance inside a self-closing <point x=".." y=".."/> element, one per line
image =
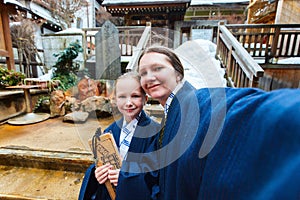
<point x="130" y="185"/>
<point x="227" y="143"/>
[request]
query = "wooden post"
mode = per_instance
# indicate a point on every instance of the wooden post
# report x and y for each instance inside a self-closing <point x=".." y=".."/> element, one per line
<point x="5" y="38"/>
<point x="275" y="42"/>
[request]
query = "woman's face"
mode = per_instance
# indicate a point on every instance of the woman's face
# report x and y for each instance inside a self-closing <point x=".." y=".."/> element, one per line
<point x="158" y="76"/>
<point x="129" y="98"/>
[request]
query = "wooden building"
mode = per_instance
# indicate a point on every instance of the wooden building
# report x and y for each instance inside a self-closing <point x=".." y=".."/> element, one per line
<point x="13" y="12"/>
<point x="274" y="12"/>
<point x="161" y="13"/>
<point x="231" y="11"/>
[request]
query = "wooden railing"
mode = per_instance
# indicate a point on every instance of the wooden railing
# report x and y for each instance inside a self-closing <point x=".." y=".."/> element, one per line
<point x="132" y="65"/>
<point x="241" y="69"/>
<point x="268" y="42"/>
<point x="271" y="46"/>
<point x="129" y="37"/>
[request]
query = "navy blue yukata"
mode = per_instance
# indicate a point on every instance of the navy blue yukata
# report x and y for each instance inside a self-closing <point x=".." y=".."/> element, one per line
<point x="227" y="143"/>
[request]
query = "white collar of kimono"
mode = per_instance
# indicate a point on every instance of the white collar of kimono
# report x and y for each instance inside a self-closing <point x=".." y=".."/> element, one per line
<point x="127" y="134"/>
<point x="172" y="95"/>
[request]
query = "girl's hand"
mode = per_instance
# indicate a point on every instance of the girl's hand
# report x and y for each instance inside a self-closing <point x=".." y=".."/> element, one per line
<point x="101" y="173"/>
<point x="113" y="175"/>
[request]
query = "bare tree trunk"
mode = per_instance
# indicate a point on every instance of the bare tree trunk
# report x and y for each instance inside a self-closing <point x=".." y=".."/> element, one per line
<point x="20" y="55"/>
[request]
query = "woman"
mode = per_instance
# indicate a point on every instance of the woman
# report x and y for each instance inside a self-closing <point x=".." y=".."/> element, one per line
<point x="222" y="143"/>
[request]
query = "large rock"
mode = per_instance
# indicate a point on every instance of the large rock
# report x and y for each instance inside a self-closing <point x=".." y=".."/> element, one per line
<point x="94" y="103"/>
<point x="76" y="116"/>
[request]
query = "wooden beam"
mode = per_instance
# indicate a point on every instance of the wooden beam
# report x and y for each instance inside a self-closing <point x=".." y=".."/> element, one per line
<point x="4" y="26"/>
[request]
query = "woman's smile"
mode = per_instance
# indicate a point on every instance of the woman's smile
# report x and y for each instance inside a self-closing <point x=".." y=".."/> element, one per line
<point x="130" y="110"/>
<point x="152" y="86"/>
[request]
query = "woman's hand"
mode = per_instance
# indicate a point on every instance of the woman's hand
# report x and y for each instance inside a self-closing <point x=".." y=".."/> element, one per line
<point x="113" y="175"/>
<point x="101" y="173"/>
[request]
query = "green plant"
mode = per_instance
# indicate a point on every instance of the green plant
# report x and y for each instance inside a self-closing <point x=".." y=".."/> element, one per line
<point x="65" y="68"/>
<point x="10" y="77"/>
<point x="43" y="104"/>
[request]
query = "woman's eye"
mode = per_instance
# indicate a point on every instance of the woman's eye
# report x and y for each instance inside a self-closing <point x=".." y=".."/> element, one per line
<point x="158" y="68"/>
<point x="136" y="96"/>
<point x="143" y="74"/>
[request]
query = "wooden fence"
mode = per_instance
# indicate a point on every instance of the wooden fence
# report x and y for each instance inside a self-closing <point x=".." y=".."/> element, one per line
<point x="253" y="55"/>
<point x="241" y="69"/>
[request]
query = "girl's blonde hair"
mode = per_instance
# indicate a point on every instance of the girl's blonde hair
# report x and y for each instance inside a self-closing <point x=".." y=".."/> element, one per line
<point x="131" y="74"/>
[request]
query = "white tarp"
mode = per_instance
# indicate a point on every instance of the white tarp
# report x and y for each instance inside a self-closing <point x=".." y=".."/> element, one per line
<point x="211" y="2"/>
<point x="15" y="3"/>
<point x="201" y="68"/>
<point x="108" y="2"/>
<point x="42" y="12"/>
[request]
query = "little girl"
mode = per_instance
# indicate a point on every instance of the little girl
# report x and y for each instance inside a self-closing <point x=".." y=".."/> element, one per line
<point x="130" y="99"/>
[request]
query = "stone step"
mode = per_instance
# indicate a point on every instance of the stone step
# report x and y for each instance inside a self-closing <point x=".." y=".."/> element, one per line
<point x="45" y="159"/>
<point x="33" y="174"/>
<point x="155" y="110"/>
<point x="33" y="183"/>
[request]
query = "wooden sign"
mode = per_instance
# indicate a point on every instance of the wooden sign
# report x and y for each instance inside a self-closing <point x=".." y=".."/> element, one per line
<point x="105" y="151"/>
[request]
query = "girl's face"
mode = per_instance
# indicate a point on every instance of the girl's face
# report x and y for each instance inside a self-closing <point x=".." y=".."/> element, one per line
<point x="129" y="98"/>
<point x="158" y="76"/>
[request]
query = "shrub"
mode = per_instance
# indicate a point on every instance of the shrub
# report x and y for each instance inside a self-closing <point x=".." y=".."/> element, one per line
<point x="65" y="68"/>
<point x="10" y="77"/>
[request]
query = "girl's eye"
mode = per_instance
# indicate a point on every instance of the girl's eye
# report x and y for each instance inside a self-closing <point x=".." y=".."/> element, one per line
<point x="121" y="97"/>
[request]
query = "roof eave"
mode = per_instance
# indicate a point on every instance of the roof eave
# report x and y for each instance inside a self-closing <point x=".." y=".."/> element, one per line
<point x="132" y="3"/>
